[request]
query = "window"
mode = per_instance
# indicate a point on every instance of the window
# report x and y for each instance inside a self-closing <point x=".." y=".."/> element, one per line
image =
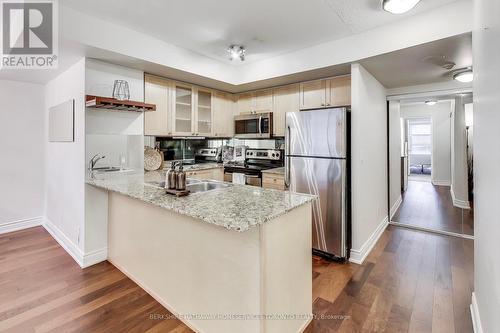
<point x="420" y="136"/>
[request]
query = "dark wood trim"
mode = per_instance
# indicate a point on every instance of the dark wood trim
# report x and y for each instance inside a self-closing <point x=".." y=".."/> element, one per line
<point x="107" y="103"/>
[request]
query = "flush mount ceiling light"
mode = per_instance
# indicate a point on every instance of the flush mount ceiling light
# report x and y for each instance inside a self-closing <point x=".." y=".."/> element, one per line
<point x="431" y="102"/>
<point x="464" y="76"/>
<point x="398" y="6"/>
<point x="235" y="52"/>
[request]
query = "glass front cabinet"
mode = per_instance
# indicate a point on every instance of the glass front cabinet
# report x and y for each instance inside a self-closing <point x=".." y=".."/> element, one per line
<point x="203" y="114"/>
<point x="192" y="110"/>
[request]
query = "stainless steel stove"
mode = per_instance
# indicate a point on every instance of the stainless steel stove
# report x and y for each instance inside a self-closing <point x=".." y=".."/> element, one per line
<point x="255" y="161"/>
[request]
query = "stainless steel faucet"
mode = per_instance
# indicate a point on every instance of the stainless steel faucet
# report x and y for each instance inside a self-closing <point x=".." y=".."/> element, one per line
<point x="94" y="160"/>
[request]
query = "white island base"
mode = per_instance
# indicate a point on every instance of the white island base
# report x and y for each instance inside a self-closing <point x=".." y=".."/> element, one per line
<point x="216" y="280"/>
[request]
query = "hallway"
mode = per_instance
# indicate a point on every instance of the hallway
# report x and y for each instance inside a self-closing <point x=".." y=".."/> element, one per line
<point x="429" y="206"/>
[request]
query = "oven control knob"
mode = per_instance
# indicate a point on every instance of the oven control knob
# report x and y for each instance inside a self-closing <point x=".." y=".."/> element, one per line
<point x="273" y="154"/>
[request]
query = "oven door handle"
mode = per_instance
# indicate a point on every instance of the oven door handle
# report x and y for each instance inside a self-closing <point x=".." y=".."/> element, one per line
<point x="260" y="125"/>
<point x="251" y="176"/>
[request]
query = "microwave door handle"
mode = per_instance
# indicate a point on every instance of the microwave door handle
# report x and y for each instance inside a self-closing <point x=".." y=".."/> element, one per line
<point x="260" y="125"/>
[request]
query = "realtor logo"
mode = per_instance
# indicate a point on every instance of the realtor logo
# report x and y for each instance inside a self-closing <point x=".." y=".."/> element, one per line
<point x="29" y="39"/>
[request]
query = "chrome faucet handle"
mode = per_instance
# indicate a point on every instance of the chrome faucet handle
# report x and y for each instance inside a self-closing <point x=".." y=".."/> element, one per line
<point x="94" y="160"/>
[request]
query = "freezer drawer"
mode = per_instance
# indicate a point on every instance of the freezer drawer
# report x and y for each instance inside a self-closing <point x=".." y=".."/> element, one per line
<point x="325" y="178"/>
<point x="319" y="133"/>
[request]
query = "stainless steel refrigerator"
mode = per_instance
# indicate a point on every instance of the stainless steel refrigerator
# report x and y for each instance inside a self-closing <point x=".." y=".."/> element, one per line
<point x="317" y="162"/>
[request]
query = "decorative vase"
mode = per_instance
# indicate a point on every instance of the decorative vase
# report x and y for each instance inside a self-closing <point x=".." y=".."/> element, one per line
<point x="121" y="90"/>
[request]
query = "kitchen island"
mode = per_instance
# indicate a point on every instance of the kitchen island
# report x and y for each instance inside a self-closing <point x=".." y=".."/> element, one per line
<point x="233" y="259"/>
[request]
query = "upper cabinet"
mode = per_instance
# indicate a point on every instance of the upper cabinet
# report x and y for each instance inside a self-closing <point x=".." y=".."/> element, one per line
<point x="182" y="109"/>
<point x="286" y="99"/>
<point x="256" y="101"/>
<point x="325" y="93"/>
<point x="339" y="91"/>
<point x="223" y="105"/>
<point x="157" y="91"/>
<point x="313" y="94"/>
<point x="203" y="114"/>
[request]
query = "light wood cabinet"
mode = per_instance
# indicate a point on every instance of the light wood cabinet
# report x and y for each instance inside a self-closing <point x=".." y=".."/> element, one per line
<point x="191" y="110"/>
<point x="203" y="112"/>
<point x="223" y="115"/>
<point x="339" y="91"/>
<point x="325" y="93"/>
<point x="273" y="181"/>
<point x="183" y="110"/>
<point x="313" y="94"/>
<point x="286" y="99"/>
<point x="256" y="101"/>
<point x="187" y="110"/>
<point x="210" y="174"/>
<point x="159" y="122"/>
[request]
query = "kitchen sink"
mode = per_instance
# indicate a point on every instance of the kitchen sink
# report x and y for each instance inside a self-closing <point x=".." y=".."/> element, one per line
<point x="110" y="169"/>
<point x="206" y="186"/>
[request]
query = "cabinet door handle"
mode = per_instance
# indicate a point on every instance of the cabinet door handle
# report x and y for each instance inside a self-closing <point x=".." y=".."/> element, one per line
<point x="322" y="104"/>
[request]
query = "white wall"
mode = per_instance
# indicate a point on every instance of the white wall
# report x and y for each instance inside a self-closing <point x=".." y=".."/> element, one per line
<point x="22" y="146"/>
<point x="65" y="162"/>
<point x="369" y="159"/>
<point x="394" y="156"/>
<point x="486" y="51"/>
<point x="441" y="134"/>
<point x="109" y="133"/>
<point x="459" y="190"/>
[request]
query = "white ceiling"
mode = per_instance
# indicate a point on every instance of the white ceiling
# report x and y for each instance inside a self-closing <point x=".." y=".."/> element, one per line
<point x="421" y="64"/>
<point x="266" y="28"/>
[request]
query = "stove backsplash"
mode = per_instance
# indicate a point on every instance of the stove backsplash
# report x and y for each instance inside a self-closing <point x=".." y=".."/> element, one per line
<point x="184" y="149"/>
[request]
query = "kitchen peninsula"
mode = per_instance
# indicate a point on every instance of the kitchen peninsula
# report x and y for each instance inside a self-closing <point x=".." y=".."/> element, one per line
<point x="232" y="259"/>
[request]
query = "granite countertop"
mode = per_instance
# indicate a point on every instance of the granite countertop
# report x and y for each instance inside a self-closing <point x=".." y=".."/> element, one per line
<point x="275" y="171"/>
<point x="237" y="207"/>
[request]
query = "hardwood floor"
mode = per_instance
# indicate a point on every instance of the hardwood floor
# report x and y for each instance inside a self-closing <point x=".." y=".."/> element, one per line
<point x="430" y="206"/>
<point x="43" y="290"/>
<point x="411" y="282"/>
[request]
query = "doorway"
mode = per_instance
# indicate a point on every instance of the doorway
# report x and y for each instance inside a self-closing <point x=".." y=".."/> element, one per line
<point x="430" y="163"/>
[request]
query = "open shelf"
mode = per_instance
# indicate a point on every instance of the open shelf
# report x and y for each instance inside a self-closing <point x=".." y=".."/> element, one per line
<point x="107" y="103"/>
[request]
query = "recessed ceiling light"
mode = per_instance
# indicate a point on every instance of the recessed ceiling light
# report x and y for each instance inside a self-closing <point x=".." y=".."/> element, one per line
<point x="398" y="6"/>
<point x="235" y="52"/>
<point x="464" y="76"/>
<point x="431" y="102"/>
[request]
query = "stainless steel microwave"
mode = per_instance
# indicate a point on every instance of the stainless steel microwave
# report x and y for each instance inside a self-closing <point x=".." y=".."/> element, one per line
<point x="253" y="126"/>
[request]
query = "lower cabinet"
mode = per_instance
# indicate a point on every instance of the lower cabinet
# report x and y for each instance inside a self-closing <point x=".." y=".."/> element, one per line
<point x="273" y="181"/>
<point x="211" y="174"/>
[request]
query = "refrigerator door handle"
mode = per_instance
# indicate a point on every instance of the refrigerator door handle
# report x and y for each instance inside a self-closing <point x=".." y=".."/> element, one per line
<point x="343" y="248"/>
<point x="287" y="159"/>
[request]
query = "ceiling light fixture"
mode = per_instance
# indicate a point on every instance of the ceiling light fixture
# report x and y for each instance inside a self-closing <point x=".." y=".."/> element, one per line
<point x="464" y="76"/>
<point x="398" y="6"/>
<point x="431" y="102"/>
<point x="235" y="52"/>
